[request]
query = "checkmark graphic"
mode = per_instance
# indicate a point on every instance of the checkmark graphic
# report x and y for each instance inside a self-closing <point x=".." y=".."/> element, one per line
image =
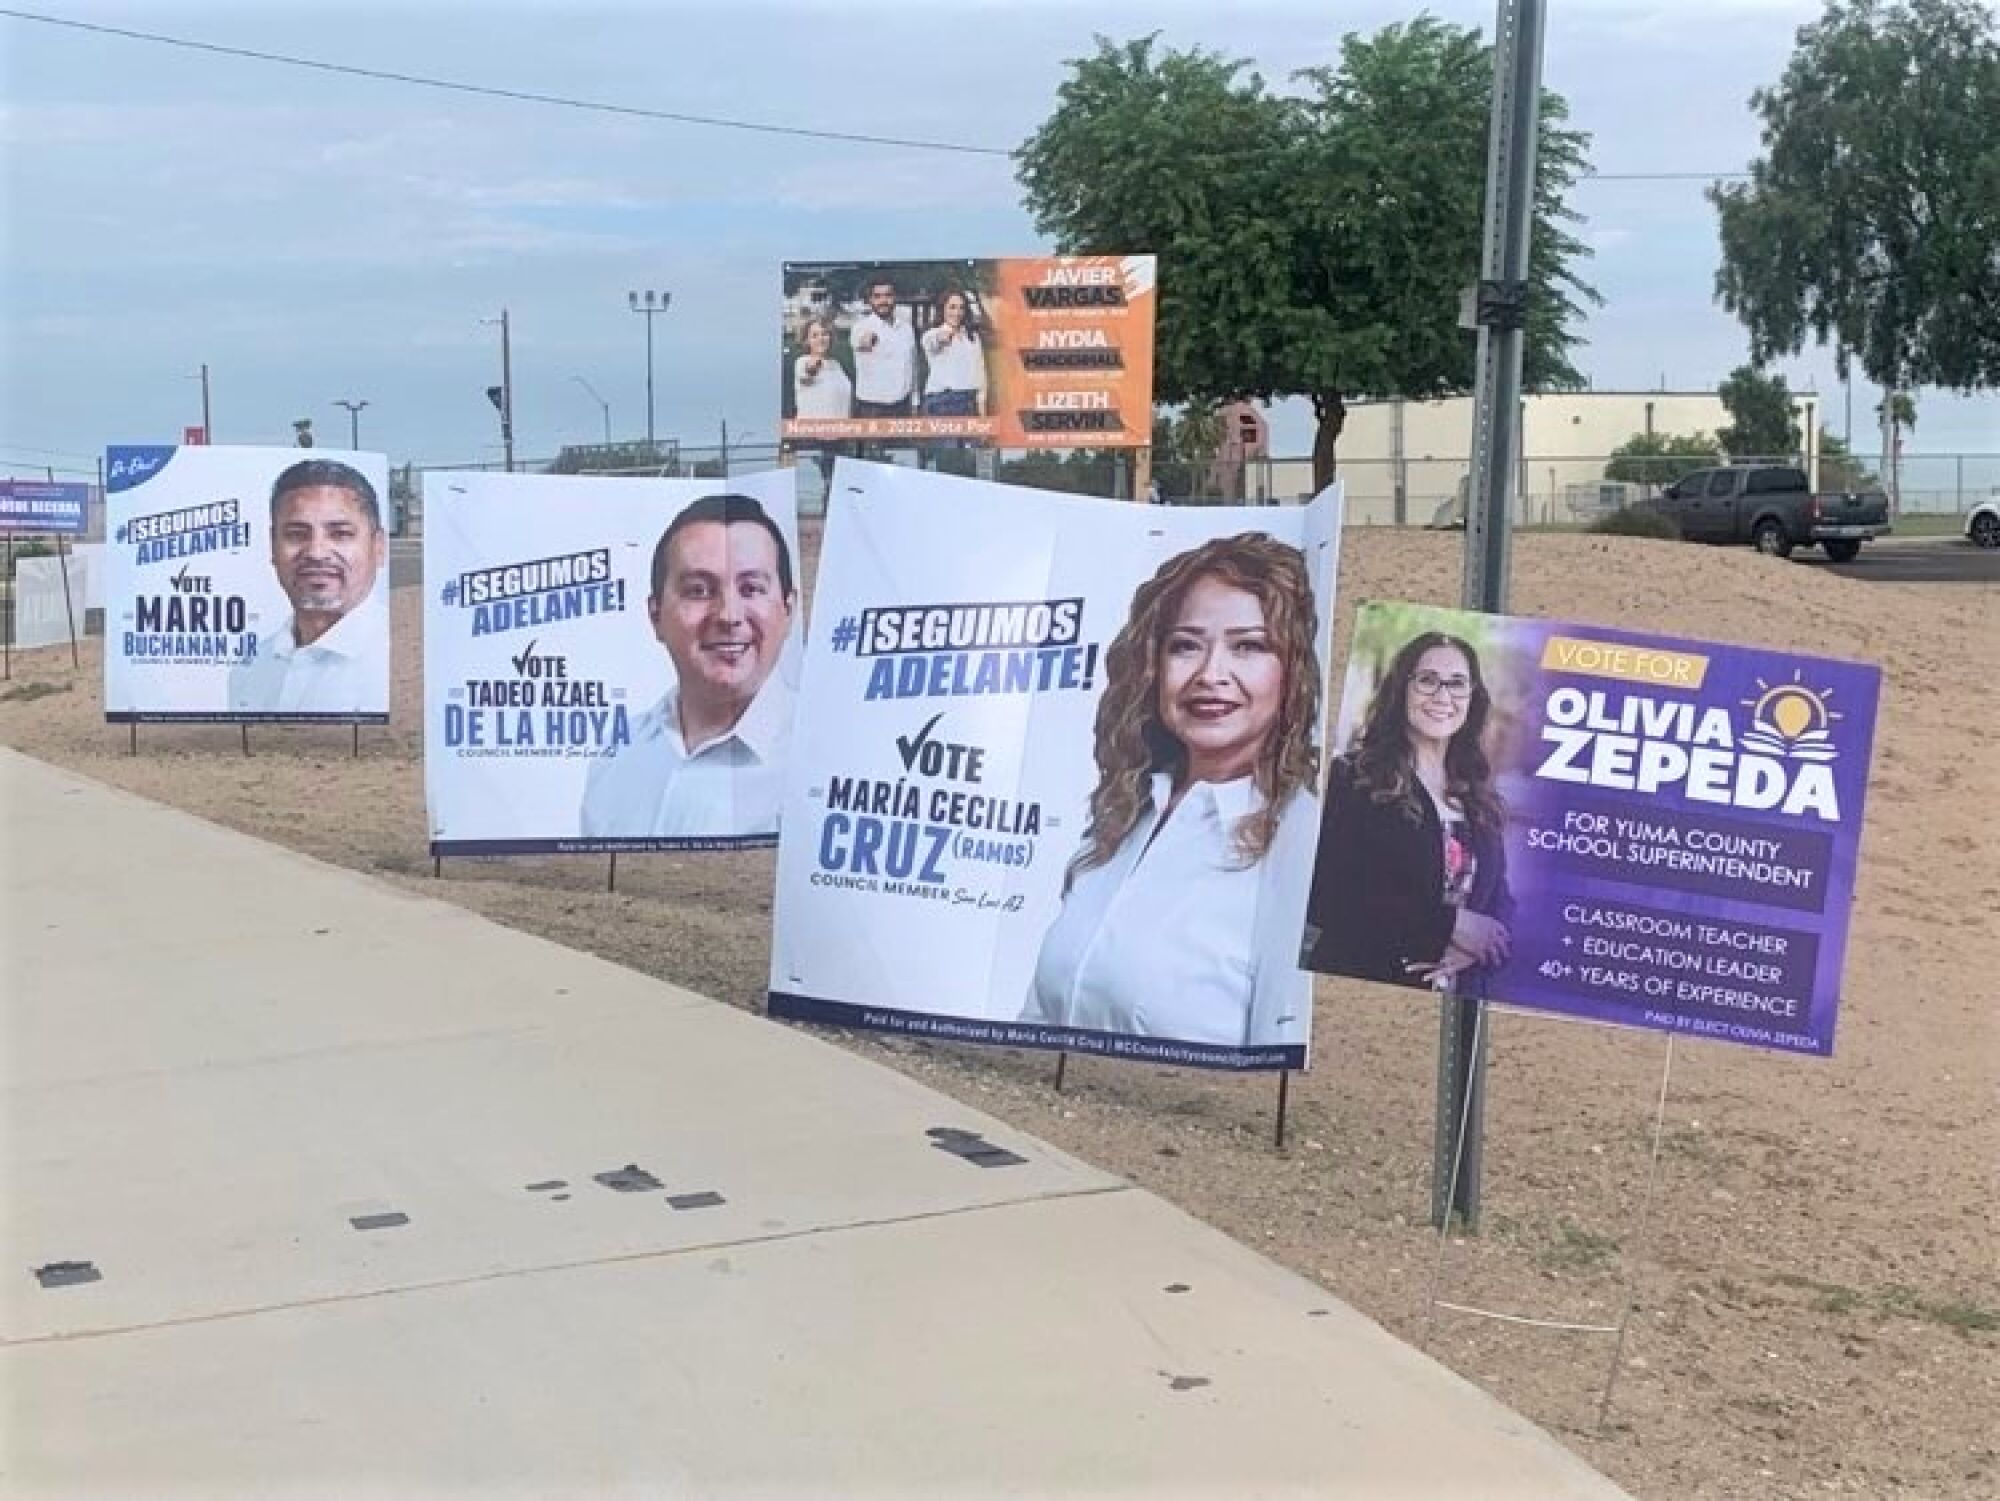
<point x="907" y="748"/>
<point x="527" y="655"/>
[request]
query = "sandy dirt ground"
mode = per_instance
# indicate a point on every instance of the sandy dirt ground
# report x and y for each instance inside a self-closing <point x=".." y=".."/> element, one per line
<point x="1817" y="1293"/>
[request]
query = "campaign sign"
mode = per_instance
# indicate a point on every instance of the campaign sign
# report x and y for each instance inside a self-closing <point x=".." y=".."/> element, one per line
<point x="49" y="595"/>
<point x="49" y="508"/>
<point x="1634" y="829"/>
<point x="246" y="585"/>
<point x="609" y="663"/>
<point x="1057" y="769"/>
<point x="1016" y="352"/>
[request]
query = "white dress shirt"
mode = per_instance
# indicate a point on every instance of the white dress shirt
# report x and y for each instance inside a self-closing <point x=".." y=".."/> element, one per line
<point x="828" y="394"/>
<point x="957" y="365"/>
<point x="1176" y="938"/>
<point x="659" y="787"/>
<point x="346" y="671"/>
<point x="888" y="372"/>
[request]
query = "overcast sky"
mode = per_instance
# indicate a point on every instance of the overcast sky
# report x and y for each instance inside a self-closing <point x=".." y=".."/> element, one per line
<point x="312" y="236"/>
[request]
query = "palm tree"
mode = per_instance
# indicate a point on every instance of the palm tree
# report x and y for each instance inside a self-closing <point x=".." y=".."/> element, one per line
<point x="1898" y="411"/>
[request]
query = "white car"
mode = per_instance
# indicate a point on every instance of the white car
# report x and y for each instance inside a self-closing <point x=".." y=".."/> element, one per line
<point x="1982" y="527"/>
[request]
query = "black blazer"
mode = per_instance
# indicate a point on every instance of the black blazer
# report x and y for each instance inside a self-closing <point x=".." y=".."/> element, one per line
<point x="1377" y="900"/>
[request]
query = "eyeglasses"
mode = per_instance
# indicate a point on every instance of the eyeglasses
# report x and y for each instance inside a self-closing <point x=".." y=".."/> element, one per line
<point x="1429" y="685"/>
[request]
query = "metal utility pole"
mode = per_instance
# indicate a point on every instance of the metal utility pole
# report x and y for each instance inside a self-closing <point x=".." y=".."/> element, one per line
<point x="502" y="396"/>
<point x="1500" y="306"/>
<point x="651" y="304"/>
<point x="601" y="403"/>
<point x="354" y="409"/>
<point x="507" y="389"/>
<point x="207" y="430"/>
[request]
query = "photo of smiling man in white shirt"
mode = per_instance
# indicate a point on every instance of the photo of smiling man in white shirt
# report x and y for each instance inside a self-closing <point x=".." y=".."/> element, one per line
<point x="707" y="761"/>
<point x="885" y="355"/>
<point x="331" y="656"/>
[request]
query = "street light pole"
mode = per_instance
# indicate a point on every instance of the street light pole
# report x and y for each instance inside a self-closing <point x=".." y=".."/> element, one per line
<point x="353" y="420"/>
<point x="601" y="402"/>
<point x="651" y="304"/>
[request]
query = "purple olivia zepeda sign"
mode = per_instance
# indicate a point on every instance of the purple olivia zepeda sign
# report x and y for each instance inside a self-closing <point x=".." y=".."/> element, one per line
<point x="1633" y="829"/>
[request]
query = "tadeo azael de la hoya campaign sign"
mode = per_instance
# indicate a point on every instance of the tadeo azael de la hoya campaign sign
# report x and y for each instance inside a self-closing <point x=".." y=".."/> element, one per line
<point x="1629" y="828"/>
<point x="609" y="663"/>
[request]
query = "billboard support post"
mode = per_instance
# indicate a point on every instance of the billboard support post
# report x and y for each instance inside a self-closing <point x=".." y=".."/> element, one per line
<point x="13" y="605"/>
<point x="1500" y="314"/>
<point x="63" y="555"/>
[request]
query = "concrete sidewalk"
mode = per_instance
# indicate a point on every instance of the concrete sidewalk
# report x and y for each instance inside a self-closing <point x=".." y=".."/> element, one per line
<point x="220" y="1056"/>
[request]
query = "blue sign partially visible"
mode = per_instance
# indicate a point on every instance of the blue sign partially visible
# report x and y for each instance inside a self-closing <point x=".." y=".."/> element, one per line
<point x="37" y="506"/>
<point x="132" y="464"/>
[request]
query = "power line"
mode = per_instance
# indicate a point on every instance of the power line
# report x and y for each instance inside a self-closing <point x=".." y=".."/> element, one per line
<point x="521" y="96"/>
<point x="1661" y="176"/>
<point x="54" y="453"/>
<point x="598" y="106"/>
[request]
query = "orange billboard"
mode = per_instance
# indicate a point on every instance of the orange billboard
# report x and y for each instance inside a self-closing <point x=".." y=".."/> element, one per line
<point x="1018" y="352"/>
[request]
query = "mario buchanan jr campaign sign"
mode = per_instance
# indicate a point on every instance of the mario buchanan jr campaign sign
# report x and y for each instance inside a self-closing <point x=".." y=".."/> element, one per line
<point x="609" y="663"/>
<point x="245" y="585"/>
<point x="1633" y="829"/>
<point x="1056" y="778"/>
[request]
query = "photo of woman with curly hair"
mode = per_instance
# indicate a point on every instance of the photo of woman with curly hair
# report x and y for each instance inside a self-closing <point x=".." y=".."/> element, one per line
<point x="1410" y="886"/>
<point x="1174" y="913"/>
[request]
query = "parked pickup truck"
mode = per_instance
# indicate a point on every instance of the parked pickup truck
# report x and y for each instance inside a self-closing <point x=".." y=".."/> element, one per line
<point x="1772" y="507"/>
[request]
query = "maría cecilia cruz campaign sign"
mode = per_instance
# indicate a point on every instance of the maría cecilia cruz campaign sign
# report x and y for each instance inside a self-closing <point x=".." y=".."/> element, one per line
<point x="1634" y="829"/>
<point x="246" y="585"/>
<point x="1056" y="776"/>
<point x="609" y="663"/>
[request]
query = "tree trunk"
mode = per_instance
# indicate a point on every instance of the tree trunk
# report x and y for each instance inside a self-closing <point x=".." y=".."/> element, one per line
<point x="1331" y="413"/>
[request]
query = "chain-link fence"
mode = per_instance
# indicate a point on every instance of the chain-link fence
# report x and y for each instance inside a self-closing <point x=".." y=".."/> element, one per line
<point x="1552" y="490"/>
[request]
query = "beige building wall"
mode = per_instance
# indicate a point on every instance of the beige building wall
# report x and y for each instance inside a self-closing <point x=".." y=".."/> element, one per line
<point x="1569" y="436"/>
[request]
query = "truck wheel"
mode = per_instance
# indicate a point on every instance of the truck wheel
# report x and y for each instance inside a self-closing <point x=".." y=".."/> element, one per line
<point x="1986" y="530"/>
<point x="1769" y="538"/>
<point x="1843" y="550"/>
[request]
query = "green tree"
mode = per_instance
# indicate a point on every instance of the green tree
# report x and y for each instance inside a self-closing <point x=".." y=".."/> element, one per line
<point x="1184" y="448"/>
<point x="1661" y="458"/>
<point x="1839" y="469"/>
<point x="1311" y="245"/>
<point x="1762" y="424"/>
<point x="1872" y="220"/>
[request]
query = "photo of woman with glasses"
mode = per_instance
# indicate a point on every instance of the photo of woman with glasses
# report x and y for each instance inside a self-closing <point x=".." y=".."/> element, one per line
<point x="1411" y="881"/>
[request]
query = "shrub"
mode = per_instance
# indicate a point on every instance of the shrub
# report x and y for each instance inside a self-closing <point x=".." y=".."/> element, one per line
<point x="1637" y="521"/>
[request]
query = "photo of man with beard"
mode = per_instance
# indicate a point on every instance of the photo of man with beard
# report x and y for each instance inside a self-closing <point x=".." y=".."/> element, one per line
<point x="328" y="548"/>
<point x="708" y="760"/>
